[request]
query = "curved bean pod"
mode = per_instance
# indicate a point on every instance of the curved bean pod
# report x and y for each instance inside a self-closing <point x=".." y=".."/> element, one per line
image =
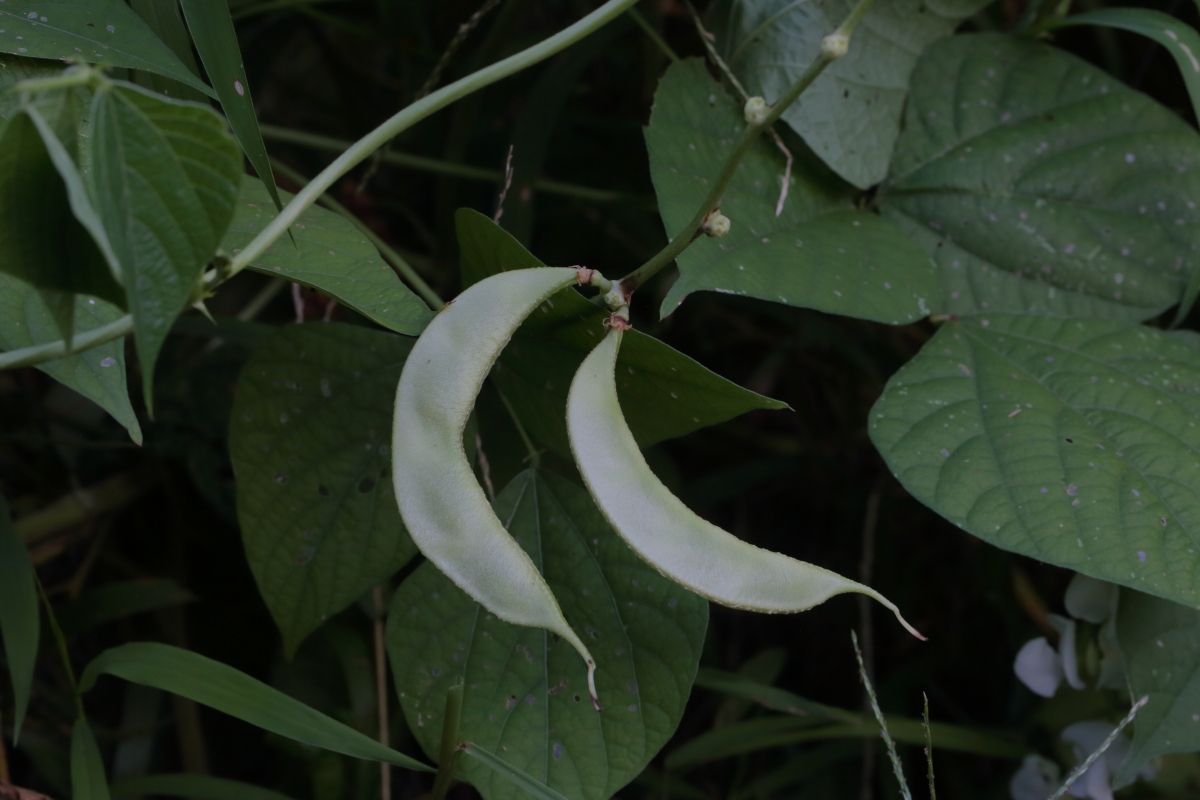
<point x="443" y="506"/>
<point x="690" y="551"/>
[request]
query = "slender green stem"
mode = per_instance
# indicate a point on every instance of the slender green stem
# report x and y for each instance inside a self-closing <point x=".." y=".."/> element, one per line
<point x="448" y="753"/>
<point x="826" y="56"/>
<point x="37" y="353"/>
<point x="653" y="34"/>
<point x="453" y="169"/>
<point x="535" y="458"/>
<point x="353" y="155"/>
<point x="389" y="253"/>
<point x="60" y="643"/>
<point x="413" y="114"/>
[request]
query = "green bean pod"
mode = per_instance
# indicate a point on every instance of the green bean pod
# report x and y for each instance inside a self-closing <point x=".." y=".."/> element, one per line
<point x="696" y="554"/>
<point x="442" y="504"/>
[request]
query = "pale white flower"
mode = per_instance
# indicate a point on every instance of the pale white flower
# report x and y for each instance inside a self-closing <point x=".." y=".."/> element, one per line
<point x="1036" y="779"/>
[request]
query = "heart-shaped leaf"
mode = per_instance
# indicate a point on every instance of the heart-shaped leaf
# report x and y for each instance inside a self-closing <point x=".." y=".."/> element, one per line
<point x="308" y="439"/>
<point x="95" y="31"/>
<point x="665" y="393"/>
<point x="1071" y="441"/>
<point x="818" y="253"/>
<point x="1053" y="190"/>
<point x="163" y="175"/>
<point x="525" y="695"/>
<point x="325" y="251"/>
<point x="850" y="116"/>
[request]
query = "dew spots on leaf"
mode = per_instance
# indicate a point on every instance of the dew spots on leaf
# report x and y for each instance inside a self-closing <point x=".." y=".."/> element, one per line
<point x="107" y="361"/>
<point x="237" y="87"/>
<point x="1072" y="489"/>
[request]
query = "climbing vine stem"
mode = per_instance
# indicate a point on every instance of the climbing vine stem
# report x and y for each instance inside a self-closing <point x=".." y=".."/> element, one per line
<point x="350" y="158"/>
<point x="833" y="47"/>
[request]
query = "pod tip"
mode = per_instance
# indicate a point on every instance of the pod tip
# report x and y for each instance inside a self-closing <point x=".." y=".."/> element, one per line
<point x="591" y="679"/>
<point x="911" y="629"/>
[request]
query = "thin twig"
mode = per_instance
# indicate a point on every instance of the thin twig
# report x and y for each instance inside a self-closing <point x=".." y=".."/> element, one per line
<point x="460" y="37"/>
<point x="897" y="767"/>
<point x="866" y="569"/>
<point x="508" y="176"/>
<point x="381" y="695"/>
<point x="485" y="468"/>
<point x="928" y="747"/>
<point x="450" y="748"/>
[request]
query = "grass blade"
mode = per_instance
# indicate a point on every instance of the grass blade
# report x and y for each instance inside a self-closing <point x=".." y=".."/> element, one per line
<point x="88" y="781"/>
<point x="18" y="615"/>
<point x="225" y="689"/>
<point x="216" y="42"/>
<point x="893" y="756"/>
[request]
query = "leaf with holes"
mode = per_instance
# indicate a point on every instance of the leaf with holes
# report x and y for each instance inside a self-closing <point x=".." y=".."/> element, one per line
<point x="1054" y="190"/>
<point x="163" y="176"/>
<point x="525" y="694"/>
<point x="665" y="393"/>
<point x="850" y="116"/>
<point x="1075" y="442"/>
<point x="1160" y="643"/>
<point x="95" y="31"/>
<point x="818" y="253"/>
<point x="308" y="439"/>
<point x="327" y="252"/>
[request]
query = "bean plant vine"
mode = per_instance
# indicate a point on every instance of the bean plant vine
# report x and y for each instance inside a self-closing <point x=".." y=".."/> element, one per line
<point x="403" y="510"/>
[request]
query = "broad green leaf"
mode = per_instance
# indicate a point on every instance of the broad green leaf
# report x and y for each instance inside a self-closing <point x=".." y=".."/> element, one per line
<point x="216" y="42"/>
<point x="850" y="116"/>
<point x="14" y="69"/>
<point x="308" y="438"/>
<point x="118" y="600"/>
<point x="27" y="317"/>
<point x="196" y="787"/>
<point x="525" y="693"/>
<point x="818" y="253"/>
<point x="225" y="689"/>
<point x="1069" y="441"/>
<point x="95" y="31"/>
<point x="530" y="787"/>
<point x="1160" y="645"/>
<point x="665" y="393"/>
<point x="88" y="779"/>
<point x="40" y="241"/>
<point x="163" y="176"/>
<point x="327" y="252"/>
<point x="19" y="622"/>
<point x="1053" y="190"/>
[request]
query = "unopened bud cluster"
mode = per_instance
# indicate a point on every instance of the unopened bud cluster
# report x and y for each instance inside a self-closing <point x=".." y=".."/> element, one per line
<point x="756" y="111"/>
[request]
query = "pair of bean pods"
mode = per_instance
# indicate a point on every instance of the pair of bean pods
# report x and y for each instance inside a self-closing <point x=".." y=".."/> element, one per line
<point x="452" y="523"/>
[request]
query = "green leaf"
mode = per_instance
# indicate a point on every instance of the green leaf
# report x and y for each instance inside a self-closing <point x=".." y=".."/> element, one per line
<point x="95" y="31"/>
<point x="819" y="253"/>
<point x="163" y="176"/>
<point x="664" y="393"/>
<point x="41" y="243"/>
<point x="1054" y="190"/>
<point x="88" y="780"/>
<point x="196" y="787"/>
<point x="19" y="621"/>
<point x="166" y="21"/>
<point x="28" y="317"/>
<point x="529" y="786"/>
<point x="225" y="689"/>
<point x="850" y="116"/>
<point x="1160" y="644"/>
<point x="525" y="693"/>
<point x="216" y="42"/>
<point x="328" y="253"/>
<point x="308" y="438"/>
<point x="1069" y="441"/>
